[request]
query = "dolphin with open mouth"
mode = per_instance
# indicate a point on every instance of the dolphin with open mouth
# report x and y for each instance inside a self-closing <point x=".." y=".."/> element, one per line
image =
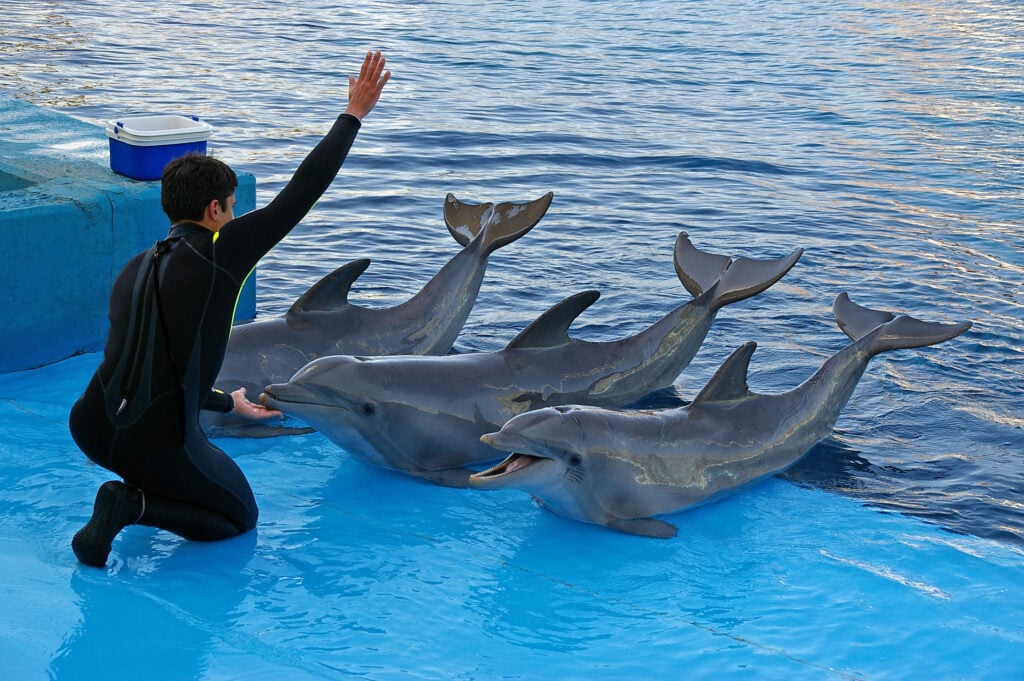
<point x="621" y="468"/>
<point x="323" y="321"/>
<point x="425" y="415"/>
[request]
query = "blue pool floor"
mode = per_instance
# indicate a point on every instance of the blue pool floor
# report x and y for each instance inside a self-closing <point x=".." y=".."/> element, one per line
<point x="355" y="571"/>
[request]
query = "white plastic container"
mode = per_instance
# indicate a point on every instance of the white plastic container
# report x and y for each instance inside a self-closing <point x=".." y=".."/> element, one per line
<point x="140" y="146"/>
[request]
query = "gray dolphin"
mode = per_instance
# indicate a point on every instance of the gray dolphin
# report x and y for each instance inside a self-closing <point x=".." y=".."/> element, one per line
<point x="323" y="321"/>
<point x="425" y="415"/>
<point x="619" y="468"/>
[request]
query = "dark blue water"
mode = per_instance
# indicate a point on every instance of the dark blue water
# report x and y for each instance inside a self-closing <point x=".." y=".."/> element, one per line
<point x="885" y="140"/>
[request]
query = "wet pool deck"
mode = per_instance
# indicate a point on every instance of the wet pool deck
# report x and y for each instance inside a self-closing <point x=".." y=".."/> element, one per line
<point x="358" y="571"/>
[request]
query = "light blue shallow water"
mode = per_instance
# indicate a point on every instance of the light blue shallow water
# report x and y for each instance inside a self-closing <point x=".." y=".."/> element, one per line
<point x="883" y="138"/>
<point x="356" y="572"/>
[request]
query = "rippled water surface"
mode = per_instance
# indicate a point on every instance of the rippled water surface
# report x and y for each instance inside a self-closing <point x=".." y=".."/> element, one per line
<point x="884" y="138"/>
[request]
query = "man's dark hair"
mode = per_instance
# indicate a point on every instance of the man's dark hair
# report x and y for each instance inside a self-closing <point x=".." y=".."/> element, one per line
<point x="190" y="182"/>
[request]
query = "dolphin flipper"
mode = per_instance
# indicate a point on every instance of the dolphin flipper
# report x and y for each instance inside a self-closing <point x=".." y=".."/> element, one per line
<point x="500" y="223"/>
<point x="644" y="527"/>
<point x="731" y="279"/>
<point x="886" y="331"/>
<point x="256" y="431"/>
<point x="448" y="477"/>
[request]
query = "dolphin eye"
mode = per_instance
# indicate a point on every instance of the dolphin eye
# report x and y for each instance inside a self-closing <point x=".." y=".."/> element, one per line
<point x="368" y="408"/>
<point x="575" y="460"/>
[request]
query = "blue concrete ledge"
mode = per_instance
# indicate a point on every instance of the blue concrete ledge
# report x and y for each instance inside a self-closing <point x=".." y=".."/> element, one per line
<point x="68" y="224"/>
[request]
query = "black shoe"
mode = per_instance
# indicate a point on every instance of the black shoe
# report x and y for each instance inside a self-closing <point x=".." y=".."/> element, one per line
<point x="116" y="507"/>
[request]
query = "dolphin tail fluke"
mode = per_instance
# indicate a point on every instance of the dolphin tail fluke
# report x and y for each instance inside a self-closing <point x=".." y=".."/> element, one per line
<point x="732" y="279"/>
<point x="886" y="331"/>
<point x="498" y="224"/>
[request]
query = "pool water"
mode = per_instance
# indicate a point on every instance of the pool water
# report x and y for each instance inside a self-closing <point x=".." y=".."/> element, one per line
<point x="884" y="139"/>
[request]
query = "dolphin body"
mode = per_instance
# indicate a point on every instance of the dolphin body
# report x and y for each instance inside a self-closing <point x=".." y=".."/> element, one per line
<point x="323" y="322"/>
<point x="620" y="468"/>
<point x="425" y="415"/>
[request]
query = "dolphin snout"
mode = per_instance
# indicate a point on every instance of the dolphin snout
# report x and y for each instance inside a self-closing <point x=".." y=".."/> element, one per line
<point x="504" y="440"/>
<point x="268" y="398"/>
<point x="270" y="394"/>
<point x="286" y="393"/>
<point x="495" y="440"/>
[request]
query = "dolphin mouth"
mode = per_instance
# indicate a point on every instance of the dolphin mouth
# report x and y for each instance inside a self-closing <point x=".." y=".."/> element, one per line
<point x="271" y="397"/>
<point x="515" y="462"/>
<point x="268" y="396"/>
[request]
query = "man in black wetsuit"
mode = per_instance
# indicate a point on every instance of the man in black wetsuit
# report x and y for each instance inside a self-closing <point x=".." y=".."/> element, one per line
<point x="171" y="311"/>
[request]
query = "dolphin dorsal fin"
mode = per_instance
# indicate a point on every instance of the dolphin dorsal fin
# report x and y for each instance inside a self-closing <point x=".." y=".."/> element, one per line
<point x="730" y="381"/>
<point x="331" y="292"/>
<point x="552" y="328"/>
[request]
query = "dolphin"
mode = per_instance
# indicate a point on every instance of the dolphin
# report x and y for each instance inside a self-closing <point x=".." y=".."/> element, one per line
<point x="620" y="468"/>
<point x="323" y="321"/>
<point x="425" y="415"/>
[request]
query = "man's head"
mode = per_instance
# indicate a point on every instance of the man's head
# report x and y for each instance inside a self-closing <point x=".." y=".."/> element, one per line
<point x="191" y="183"/>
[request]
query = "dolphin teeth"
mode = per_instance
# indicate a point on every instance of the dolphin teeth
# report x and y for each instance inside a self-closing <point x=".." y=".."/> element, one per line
<point x="512" y="464"/>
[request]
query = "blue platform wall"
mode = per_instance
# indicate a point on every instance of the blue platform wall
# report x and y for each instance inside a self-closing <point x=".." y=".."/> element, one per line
<point x="68" y="224"/>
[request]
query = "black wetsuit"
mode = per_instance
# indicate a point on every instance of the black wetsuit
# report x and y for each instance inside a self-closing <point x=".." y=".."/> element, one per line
<point x="191" y="487"/>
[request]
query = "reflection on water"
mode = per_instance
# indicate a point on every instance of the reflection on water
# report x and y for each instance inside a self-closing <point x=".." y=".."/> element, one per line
<point x="119" y="646"/>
